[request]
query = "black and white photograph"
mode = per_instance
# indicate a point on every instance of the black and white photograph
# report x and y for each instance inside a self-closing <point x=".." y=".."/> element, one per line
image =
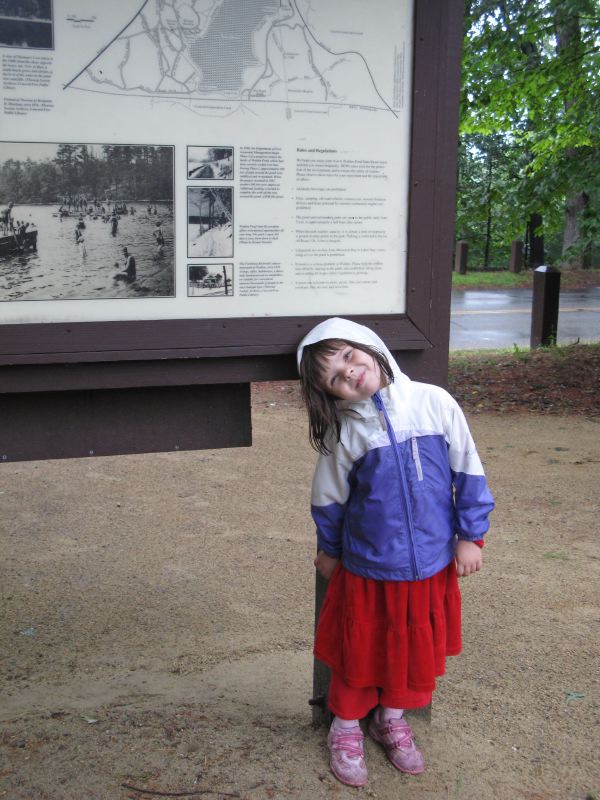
<point x="86" y="221"/>
<point x="210" y="280"/>
<point x="210" y="163"/>
<point x="210" y="222"/>
<point x="26" y="23"/>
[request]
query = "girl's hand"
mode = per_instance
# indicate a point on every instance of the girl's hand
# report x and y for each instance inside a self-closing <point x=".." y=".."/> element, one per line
<point x="325" y="564"/>
<point x="468" y="558"/>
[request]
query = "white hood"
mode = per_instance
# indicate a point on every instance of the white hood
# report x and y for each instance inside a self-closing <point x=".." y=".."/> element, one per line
<point x="338" y="328"/>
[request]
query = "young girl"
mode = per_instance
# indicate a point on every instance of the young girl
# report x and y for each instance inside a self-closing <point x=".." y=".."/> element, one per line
<point x="401" y="504"/>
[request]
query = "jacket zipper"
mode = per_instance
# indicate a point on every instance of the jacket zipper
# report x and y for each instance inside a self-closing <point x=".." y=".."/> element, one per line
<point x="417" y="458"/>
<point x="390" y="432"/>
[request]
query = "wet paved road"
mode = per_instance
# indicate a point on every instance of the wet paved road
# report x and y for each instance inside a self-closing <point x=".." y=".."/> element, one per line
<point x="498" y="319"/>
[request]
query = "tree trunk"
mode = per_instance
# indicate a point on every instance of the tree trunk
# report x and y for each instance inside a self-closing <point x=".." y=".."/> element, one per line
<point x="488" y="227"/>
<point x="568" y="46"/>
<point x="535" y="249"/>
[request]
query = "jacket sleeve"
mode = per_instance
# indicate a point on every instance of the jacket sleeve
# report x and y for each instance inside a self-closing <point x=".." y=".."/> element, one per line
<point x="473" y="501"/>
<point x="330" y="492"/>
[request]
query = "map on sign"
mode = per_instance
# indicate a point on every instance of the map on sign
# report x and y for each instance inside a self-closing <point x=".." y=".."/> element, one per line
<point x="226" y="50"/>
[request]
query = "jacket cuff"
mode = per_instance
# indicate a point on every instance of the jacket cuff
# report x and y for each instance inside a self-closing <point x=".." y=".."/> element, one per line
<point x="478" y="542"/>
<point x="334" y="552"/>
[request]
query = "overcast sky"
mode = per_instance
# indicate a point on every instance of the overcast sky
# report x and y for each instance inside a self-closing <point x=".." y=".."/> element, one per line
<point x="36" y="151"/>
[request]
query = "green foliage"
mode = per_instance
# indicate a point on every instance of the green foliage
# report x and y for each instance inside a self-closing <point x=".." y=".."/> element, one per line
<point x="503" y="279"/>
<point x="519" y="353"/>
<point x="491" y="279"/>
<point x="530" y="104"/>
<point x="488" y="215"/>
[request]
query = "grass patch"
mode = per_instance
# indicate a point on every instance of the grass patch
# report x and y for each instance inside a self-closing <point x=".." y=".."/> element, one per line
<point x="503" y="279"/>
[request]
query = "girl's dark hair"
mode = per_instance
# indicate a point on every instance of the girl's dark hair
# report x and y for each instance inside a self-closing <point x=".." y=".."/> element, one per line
<point x="323" y="419"/>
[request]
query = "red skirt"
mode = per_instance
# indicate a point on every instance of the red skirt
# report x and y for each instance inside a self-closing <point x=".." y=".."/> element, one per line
<point x="394" y="635"/>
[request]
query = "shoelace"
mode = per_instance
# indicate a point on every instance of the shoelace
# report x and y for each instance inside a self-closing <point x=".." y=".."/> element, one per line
<point x="404" y="737"/>
<point x="350" y="743"/>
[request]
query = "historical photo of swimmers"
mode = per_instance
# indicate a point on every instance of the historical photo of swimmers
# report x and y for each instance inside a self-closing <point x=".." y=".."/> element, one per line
<point x="210" y="280"/>
<point x="210" y="222"/>
<point x="210" y="163"/>
<point x="26" y="23"/>
<point x="86" y="221"/>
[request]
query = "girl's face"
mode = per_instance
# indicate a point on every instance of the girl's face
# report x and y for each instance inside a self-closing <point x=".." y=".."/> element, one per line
<point x="351" y="374"/>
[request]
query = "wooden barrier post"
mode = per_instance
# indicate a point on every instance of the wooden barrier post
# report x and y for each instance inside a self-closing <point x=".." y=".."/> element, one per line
<point x="321" y="715"/>
<point x="460" y="257"/>
<point x="516" y="256"/>
<point x="544" y="308"/>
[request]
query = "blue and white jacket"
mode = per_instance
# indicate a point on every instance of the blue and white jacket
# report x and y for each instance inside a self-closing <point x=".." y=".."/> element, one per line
<point x="404" y="481"/>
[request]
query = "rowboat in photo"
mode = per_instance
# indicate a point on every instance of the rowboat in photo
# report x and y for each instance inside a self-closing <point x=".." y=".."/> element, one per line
<point x="14" y="243"/>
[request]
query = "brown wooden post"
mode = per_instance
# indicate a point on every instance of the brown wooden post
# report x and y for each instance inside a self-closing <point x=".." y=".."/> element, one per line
<point x="516" y="256"/>
<point x="320" y="712"/>
<point x="544" y="309"/>
<point x="461" y="256"/>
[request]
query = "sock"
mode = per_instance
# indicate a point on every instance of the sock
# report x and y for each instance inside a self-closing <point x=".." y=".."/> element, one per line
<point x="338" y="723"/>
<point x="386" y="713"/>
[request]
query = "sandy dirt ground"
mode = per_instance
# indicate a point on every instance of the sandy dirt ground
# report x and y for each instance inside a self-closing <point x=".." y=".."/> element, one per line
<point x="157" y="626"/>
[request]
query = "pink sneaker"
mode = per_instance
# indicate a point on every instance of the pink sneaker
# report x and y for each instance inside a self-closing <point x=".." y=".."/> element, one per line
<point x="396" y="737"/>
<point x="347" y="761"/>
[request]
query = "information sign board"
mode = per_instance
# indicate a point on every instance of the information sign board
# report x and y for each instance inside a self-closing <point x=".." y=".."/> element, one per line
<point x="188" y="187"/>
